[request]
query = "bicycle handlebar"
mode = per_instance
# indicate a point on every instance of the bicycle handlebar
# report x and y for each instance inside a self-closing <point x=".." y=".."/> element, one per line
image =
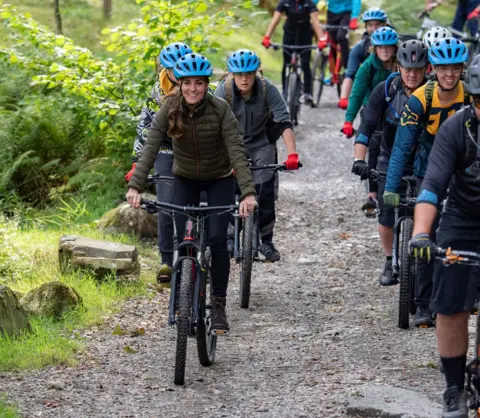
<point x="153" y="204"/>
<point x="325" y="26"/>
<point x="298" y="47"/>
<point x="275" y="167"/>
<point x="449" y="256"/>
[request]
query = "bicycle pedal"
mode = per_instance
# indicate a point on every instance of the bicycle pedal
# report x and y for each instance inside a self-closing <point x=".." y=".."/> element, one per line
<point x="220" y="332"/>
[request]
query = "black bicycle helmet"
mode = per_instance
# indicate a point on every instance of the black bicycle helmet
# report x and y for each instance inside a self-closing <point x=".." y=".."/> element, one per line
<point x="472" y="77"/>
<point x="413" y="54"/>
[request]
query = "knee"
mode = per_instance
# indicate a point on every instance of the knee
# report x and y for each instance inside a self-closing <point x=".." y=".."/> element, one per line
<point x="342" y="36"/>
<point x="456" y="320"/>
<point x="218" y="242"/>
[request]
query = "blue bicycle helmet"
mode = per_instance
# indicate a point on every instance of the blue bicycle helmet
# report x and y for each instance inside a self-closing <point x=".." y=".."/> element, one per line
<point x="192" y="65"/>
<point x="243" y="61"/>
<point x="384" y="37"/>
<point x="375" y="13"/>
<point x="172" y="53"/>
<point x="448" y="51"/>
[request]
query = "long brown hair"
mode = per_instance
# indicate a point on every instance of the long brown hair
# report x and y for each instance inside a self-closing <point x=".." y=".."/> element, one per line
<point x="175" y="115"/>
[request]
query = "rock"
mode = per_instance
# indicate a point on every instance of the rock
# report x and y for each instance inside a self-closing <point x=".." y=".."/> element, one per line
<point x="51" y="299"/>
<point x="391" y="402"/>
<point x="56" y="384"/>
<point x="77" y="252"/>
<point x="13" y="319"/>
<point x="125" y="220"/>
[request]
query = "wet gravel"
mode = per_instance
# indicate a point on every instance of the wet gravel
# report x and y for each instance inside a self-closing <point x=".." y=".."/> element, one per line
<point x="318" y="328"/>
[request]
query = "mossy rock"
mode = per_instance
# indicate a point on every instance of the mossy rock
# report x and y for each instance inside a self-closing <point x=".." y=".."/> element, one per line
<point x="125" y="220"/>
<point x="13" y="318"/>
<point x="52" y="299"/>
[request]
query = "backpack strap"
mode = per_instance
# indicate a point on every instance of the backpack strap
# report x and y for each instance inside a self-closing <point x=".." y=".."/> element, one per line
<point x="429" y="89"/>
<point x="263" y="82"/>
<point x="391" y="87"/>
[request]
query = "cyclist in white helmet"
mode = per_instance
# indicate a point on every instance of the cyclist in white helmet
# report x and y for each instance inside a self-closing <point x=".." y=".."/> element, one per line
<point x="435" y="34"/>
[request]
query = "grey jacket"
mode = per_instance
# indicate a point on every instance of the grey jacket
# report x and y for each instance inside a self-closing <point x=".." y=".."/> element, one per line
<point x="252" y="115"/>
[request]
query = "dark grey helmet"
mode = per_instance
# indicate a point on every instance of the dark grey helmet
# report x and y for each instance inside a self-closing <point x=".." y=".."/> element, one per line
<point x="412" y="54"/>
<point x="472" y="77"/>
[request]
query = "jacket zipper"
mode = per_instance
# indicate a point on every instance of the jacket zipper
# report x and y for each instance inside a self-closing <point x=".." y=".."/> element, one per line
<point x="194" y="128"/>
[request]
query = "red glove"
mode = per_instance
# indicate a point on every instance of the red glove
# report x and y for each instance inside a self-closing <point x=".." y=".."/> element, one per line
<point x="353" y="24"/>
<point x="292" y="162"/>
<point x="473" y="15"/>
<point x="343" y="103"/>
<point x="348" y="129"/>
<point x="129" y="175"/>
<point x="266" y="42"/>
<point x="322" y="44"/>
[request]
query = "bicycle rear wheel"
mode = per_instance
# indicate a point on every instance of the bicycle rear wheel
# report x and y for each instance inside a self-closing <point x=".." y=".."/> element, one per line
<point x="406" y="262"/>
<point x="183" y="320"/>
<point x="292" y="96"/>
<point x="206" y="340"/>
<point x="339" y="85"/>
<point x="247" y="260"/>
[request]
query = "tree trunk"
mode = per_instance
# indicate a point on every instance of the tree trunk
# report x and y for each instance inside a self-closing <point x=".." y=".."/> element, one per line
<point x="107" y="9"/>
<point x="58" y="17"/>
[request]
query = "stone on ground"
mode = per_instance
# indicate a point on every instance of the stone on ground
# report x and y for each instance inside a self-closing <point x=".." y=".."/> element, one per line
<point x="51" y="299"/>
<point x="126" y="220"/>
<point x="13" y="319"/>
<point x="386" y="401"/>
<point x="77" y="252"/>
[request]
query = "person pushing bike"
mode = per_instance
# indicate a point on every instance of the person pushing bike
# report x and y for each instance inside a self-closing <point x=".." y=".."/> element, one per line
<point x="207" y="145"/>
<point x="262" y="116"/>
<point x="454" y="164"/>
<point x="302" y="22"/>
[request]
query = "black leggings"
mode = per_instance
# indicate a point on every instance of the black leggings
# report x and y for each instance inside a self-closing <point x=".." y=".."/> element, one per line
<point x="302" y="39"/>
<point x="340" y="36"/>
<point x="219" y="192"/>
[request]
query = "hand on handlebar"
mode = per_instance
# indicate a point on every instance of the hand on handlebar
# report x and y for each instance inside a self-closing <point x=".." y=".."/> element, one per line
<point x="292" y="162"/>
<point x="133" y="198"/>
<point x="421" y="246"/>
<point x="129" y="175"/>
<point x="361" y="168"/>
<point x="267" y="43"/>
<point x="474" y="15"/>
<point x="247" y="206"/>
<point x="353" y="24"/>
<point x="322" y="43"/>
<point x="348" y="130"/>
<point x="391" y="199"/>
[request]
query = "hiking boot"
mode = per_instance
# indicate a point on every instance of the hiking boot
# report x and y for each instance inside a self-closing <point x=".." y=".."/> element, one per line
<point x="164" y="274"/>
<point x="307" y="99"/>
<point x="454" y="403"/>
<point x="423" y="317"/>
<point x="386" y="278"/>
<point x="219" y="316"/>
<point x="269" y="251"/>
<point x="231" y="247"/>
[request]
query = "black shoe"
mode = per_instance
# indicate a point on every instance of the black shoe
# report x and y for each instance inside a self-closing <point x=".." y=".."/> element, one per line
<point x="386" y="278"/>
<point x="219" y="317"/>
<point x="454" y="403"/>
<point x="164" y="274"/>
<point x="423" y="317"/>
<point x="231" y="247"/>
<point x="269" y="251"/>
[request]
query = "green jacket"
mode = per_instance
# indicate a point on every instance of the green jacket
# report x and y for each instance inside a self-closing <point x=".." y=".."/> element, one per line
<point x="370" y="73"/>
<point x="210" y="147"/>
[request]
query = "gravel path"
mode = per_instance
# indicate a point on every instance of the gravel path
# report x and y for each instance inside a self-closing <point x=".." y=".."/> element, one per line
<point x="319" y="327"/>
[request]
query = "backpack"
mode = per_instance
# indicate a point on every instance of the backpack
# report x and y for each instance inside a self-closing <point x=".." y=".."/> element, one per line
<point x="391" y="87"/>
<point x="272" y="129"/>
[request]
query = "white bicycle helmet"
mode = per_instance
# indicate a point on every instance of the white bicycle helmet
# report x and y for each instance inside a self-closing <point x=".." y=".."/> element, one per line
<point x="435" y="34"/>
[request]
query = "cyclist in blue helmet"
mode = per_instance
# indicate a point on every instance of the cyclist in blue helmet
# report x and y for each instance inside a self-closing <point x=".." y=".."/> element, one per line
<point x="207" y="147"/>
<point x="262" y="116"/>
<point x="374" y="19"/>
<point x="165" y="84"/>
<point x="426" y="110"/>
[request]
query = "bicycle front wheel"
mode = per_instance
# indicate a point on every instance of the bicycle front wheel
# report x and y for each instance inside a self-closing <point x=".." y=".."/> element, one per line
<point x="206" y="340"/>
<point x="183" y="320"/>
<point x="292" y="96"/>
<point x="406" y="287"/>
<point x="318" y="73"/>
<point x="247" y="260"/>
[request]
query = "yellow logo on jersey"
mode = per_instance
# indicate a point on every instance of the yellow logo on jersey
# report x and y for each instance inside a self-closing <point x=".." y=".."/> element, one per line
<point x="409" y="117"/>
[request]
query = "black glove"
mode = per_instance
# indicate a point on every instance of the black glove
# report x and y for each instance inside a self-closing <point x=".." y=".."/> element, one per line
<point x="421" y="246"/>
<point x="361" y="168"/>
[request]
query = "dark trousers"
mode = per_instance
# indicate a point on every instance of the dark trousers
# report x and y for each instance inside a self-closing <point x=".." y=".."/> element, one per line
<point x="163" y="167"/>
<point x="340" y="36"/>
<point x="266" y="213"/>
<point x="464" y="8"/>
<point x="219" y="192"/>
<point x="300" y="39"/>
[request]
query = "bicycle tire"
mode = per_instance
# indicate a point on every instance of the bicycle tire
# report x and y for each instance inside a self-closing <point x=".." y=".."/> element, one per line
<point x="292" y="97"/>
<point x="339" y="85"/>
<point x="247" y="260"/>
<point x="183" y="320"/>
<point x="206" y="340"/>
<point x="318" y="73"/>
<point x="413" y="278"/>
<point x="405" y="275"/>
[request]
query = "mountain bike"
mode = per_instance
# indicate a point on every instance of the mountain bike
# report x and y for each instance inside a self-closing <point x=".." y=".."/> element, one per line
<point x="331" y="58"/>
<point x="293" y="77"/>
<point x="189" y="306"/>
<point x="450" y="257"/>
<point x="247" y="241"/>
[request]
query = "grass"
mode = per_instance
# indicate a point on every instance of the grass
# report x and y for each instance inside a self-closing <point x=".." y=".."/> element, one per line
<point x="7" y="411"/>
<point x="28" y="258"/>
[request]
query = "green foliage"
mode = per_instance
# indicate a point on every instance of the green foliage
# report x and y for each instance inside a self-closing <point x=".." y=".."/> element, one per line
<point x="7" y="411"/>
